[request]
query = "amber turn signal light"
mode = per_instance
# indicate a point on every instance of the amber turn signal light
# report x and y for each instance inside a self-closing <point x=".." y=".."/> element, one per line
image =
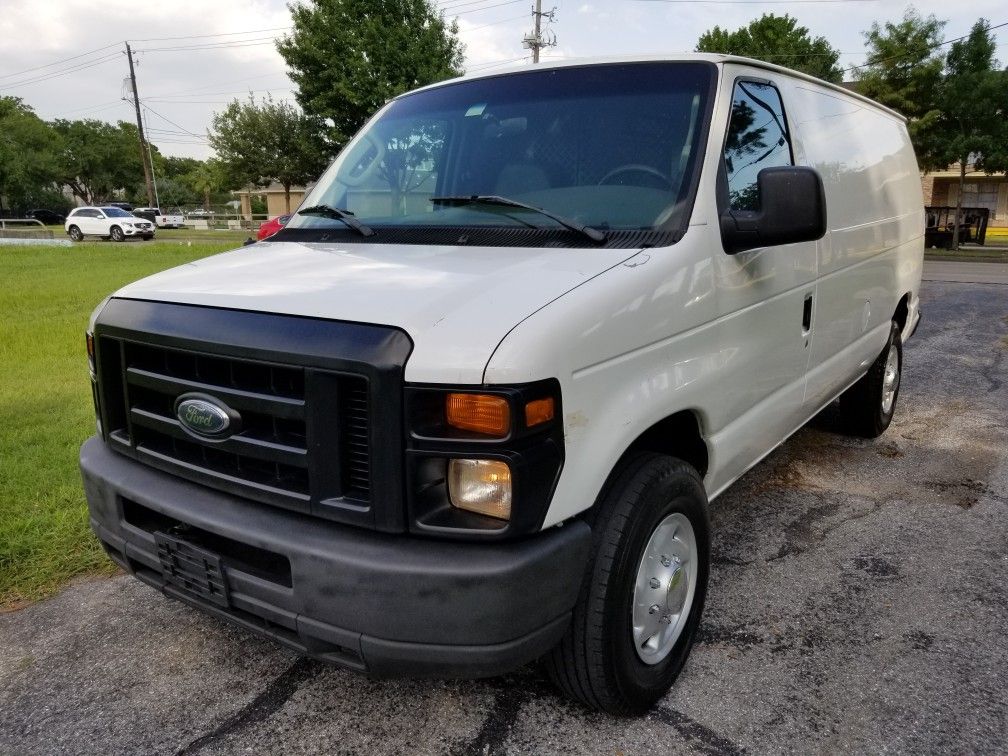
<point x="538" y="411"/>
<point x="482" y="413"/>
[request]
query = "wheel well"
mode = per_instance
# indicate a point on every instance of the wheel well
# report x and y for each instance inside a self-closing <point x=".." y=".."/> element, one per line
<point x="902" y="310"/>
<point x="677" y="435"/>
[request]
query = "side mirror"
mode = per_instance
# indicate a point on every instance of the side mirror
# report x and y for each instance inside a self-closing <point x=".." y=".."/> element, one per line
<point x="792" y="209"/>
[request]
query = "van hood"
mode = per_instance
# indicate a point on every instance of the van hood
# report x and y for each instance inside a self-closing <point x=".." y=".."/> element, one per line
<point x="456" y="303"/>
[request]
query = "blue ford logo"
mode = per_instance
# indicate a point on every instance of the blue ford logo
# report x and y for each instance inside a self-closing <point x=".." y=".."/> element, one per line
<point x="204" y="415"/>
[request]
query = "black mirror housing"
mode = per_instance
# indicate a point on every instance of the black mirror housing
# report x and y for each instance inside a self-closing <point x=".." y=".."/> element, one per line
<point x="792" y="209"/>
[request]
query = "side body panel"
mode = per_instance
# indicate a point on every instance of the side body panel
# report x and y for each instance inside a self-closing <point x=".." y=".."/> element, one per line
<point x="872" y="253"/>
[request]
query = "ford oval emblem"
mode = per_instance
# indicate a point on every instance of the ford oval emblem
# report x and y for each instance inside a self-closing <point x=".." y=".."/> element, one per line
<point x="204" y="415"/>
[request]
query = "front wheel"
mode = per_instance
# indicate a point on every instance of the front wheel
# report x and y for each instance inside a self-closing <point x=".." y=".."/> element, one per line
<point x="644" y="590"/>
<point x="75" y="234"/>
<point x="867" y="407"/>
<point x="116" y="234"/>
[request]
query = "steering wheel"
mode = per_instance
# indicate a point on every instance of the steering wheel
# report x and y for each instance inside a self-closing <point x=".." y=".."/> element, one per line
<point x="636" y="168"/>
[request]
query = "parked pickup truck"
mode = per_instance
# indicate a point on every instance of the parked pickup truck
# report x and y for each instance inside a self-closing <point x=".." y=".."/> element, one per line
<point x="154" y="214"/>
<point x="470" y="406"/>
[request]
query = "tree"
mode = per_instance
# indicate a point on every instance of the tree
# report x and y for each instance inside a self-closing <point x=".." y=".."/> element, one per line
<point x="260" y="142"/>
<point x="349" y="57"/>
<point x="97" y="159"/>
<point x="28" y="156"/>
<point x="904" y="70"/>
<point x="776" y="39"/>
<point x="206" y="178"/>
<point x="972" y="100"/>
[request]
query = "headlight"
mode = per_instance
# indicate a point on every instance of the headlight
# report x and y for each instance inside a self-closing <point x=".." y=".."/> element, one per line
<point x="480" y="485"/>
<point x="127" y="224"/>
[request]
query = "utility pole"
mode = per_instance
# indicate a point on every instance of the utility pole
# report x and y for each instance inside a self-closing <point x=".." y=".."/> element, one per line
<point x="536" y="41"/>
<point x="144" y="154"/>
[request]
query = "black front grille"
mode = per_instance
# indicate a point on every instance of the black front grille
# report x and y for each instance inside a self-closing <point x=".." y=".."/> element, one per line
<point x="319" y="425"/>
<point x="268" y="458"/>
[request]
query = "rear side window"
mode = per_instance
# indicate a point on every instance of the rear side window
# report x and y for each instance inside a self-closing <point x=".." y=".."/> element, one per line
<point x="757" y="138"/>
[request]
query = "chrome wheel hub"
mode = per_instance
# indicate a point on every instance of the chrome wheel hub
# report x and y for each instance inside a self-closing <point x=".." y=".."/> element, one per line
<point x="890" y="380"/>
<point x="663" y="593"/>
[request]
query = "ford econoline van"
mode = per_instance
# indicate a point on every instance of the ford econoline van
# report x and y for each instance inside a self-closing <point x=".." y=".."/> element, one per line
<point x="469" y="408"/>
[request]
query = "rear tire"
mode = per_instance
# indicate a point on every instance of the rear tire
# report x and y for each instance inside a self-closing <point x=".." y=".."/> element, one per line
<point x="867" y="407"/>
<point x="601" y="661"/>
<point x="75" y="234"/>
<point x="116" y="234"/>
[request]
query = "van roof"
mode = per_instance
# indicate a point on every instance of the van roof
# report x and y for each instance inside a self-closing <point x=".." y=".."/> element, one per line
<point x="716" y="58"/>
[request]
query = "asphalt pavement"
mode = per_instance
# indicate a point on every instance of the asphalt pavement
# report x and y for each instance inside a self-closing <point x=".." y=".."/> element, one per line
<point x="858" y="603"/>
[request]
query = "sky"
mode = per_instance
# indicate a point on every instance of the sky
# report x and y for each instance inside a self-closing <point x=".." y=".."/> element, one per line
<point x="66" y="58"/>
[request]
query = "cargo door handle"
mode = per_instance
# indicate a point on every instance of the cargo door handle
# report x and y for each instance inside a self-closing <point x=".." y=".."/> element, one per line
<point x="806" y="320"/>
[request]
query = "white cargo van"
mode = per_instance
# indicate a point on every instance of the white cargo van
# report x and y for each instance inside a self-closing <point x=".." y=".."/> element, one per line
<point x="468" y="408"/>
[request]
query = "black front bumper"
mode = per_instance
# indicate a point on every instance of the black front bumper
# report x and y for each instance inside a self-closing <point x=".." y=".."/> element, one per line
<point x="385" y="604"/>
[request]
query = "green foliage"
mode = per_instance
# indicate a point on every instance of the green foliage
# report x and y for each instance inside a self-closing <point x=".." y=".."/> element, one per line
<point x="28" y="156"/>
<point x="904" y="71"/>
<point x="98" y="159"/>
<point x="259" y="142"/>
<point x="349" y="57"/>
<point x="973" y="104"/>
<point x="776" y="39"/>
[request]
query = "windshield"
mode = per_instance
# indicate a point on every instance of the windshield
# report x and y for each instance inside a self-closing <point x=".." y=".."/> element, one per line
<point x="613" y="147"/>
<point x="116" y="212"/>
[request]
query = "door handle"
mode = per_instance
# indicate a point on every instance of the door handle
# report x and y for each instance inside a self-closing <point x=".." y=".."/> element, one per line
<point x="806" y="320"/>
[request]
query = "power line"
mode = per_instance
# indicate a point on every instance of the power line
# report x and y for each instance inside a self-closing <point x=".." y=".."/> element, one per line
<point x="197" y="90"/>
<point x="213" y="45"/>
<point x="494" y="64"/>
<point x="57" y="62"/>
<point x="453" y="12"/>
<point x="492" y="23"/>
<point x="221" y="34"/>
<point x="168" y="120"/>
<point x="62" y="72"/>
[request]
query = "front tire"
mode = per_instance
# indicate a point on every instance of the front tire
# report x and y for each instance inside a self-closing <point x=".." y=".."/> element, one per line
<point x="644" y="589"/>
<point x="116" y="234"/>
<point x="75" y="234"/>
<point x="867" y="407"/>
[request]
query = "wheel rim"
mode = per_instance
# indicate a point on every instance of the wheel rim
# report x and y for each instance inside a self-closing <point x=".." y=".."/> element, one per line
<point x="663" y="593"/>
<point x="890" y="380"/>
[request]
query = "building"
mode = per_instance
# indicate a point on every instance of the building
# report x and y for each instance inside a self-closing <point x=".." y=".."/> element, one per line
<point x="979" y="190"/>
<point x="273" y="196"/>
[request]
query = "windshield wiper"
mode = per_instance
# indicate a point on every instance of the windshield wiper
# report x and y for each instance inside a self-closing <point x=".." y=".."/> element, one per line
<point x="338" y="213"/>
<point x="493" y="199"/>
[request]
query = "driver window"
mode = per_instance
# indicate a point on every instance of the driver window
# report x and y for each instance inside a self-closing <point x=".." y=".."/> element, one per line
<point x="757" y="138"/>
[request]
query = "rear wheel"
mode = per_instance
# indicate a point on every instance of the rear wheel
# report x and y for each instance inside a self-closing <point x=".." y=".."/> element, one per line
<point x="75" y="234"/>
<point x="644" y="589"/>
<point x="116" y="234"/>
<point x="867" y="407"/>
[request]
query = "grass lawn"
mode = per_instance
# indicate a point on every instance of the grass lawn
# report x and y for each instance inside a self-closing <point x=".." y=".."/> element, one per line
<point x="970" y="254"/>
<point x="46" y="296"/>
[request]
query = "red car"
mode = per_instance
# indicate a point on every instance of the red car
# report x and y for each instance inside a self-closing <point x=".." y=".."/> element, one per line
<point x="270" y="227"/>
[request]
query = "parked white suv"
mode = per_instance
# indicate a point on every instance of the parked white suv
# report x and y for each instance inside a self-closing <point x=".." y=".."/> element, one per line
<point x="109" y="222"/>
<point x="469" y="407"/>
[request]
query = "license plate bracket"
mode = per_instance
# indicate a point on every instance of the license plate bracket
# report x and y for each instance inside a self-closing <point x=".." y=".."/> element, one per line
<point x="193" y="570"/>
